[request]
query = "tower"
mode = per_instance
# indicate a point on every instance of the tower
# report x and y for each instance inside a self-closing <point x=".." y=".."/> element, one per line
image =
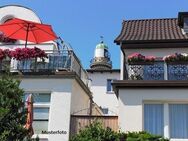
<point x="101" y="60"/>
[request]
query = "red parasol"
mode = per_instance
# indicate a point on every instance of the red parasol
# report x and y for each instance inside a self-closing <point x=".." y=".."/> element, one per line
<point x="28" y="31"/>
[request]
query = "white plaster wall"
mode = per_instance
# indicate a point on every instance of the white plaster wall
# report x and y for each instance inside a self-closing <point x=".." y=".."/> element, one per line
<point x="99" y="52"/>
<point x="80" y="101"/>
<point x="60" y="106"/>
<point x="156" y="52"/>
<point x="100" y="95"/>
<point x="16" y="11"/>
<point x="131" y="101"/>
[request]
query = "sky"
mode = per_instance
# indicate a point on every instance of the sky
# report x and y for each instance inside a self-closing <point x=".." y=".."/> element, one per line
<point x="82" y="22"/>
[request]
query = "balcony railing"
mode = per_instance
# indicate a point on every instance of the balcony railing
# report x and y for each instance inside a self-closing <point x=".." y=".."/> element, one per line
<point x="146" y="71"/>
<point x="178" y="71"/>
<point x="58" y="60"/>
<point x="157" y="71"/>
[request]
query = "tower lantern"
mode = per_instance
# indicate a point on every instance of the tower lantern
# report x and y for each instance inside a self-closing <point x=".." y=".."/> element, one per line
<point x="101" y="60"/>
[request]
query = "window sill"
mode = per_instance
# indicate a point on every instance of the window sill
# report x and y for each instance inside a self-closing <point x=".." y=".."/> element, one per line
<point x="43" y="137"/>
<point x="178" y="139"/>
<point x="110" y="92"/>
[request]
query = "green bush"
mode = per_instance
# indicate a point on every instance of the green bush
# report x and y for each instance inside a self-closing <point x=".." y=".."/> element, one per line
<point x="95" y="132"/>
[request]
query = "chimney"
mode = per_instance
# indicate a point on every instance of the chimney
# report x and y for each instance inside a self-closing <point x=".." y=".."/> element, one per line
<point x="183" y="21"/>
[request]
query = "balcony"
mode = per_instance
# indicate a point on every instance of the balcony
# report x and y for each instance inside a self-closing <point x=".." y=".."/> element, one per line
<point x="158" y="70"/>
<point x="57" y="60"/>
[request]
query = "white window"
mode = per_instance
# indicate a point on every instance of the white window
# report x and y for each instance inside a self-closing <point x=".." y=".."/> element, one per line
<point x="153" y="118"/>
<point x="41" y="107"/>
<point x="178" y="120"/>
<point x="167" y="119"/>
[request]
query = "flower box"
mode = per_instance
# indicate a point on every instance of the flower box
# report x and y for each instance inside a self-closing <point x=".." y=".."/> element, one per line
<point x="139" y="59"/>
<point x="177" y="57"/>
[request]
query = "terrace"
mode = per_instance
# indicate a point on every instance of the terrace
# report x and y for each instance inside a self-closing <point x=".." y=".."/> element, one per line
<point x="173" y="68"/>
<point x="56" y="61"/>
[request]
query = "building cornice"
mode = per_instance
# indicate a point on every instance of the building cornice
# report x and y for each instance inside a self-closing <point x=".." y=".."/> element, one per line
<point x="54" y="75"/>
<point x="103" y="71"/>
<point x="155" y="44"/>
<point x="152" y="84"/>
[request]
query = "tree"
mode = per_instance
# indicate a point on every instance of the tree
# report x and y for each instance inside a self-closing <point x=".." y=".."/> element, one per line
<point x="12" y="111"/>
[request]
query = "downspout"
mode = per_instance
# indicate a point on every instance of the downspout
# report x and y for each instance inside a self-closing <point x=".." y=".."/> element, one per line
<point x="125" y="74"/>
<point x="91" y="105"/>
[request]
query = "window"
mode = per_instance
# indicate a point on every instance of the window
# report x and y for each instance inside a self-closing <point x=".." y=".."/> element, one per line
<point x="178" y="120"/>
<point x="109" y="85"/>
<point x="106" y="54"/>
<point x="153" y="118"/>
<point x="41" y="109"/>
<point x="185" y="26"/>
<point x="105" y="110"/>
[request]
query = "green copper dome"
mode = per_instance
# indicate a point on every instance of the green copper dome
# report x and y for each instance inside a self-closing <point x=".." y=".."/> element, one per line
<point x="101" y="45"/>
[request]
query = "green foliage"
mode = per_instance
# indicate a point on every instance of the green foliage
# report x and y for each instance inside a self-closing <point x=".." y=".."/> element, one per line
<point x="12" y="114"/>
<point x="95" y="132"/>
<point x="143" y="136"/>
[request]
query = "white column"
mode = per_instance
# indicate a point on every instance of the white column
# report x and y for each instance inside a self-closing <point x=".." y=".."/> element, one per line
<point x="166" y="121"/>
<point x="122" y="71"/>
<point x="165" y="71"/>
<point x="59" y="118"/>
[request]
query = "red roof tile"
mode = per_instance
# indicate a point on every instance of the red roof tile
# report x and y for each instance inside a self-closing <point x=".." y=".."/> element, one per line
<point x="150" y="30"/>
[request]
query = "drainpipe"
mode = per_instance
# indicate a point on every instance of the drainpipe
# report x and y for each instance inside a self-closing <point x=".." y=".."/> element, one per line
<point x="125" y="74"/>
<point x="91" y="106"/>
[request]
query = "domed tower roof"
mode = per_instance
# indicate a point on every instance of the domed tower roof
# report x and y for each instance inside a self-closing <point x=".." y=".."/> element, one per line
<point x="101" y="60"/>
<point x="101" y="45"/>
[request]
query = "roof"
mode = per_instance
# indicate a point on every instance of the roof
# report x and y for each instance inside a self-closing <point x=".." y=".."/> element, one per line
<point x="150" y="30"/>
<point x="101" y="45"/>
<point x="110" y="70"/>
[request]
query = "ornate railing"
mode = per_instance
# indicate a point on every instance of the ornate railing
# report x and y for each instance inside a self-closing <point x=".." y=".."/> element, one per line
<point x="177" y="71"/>
<point x="146" y="71"/>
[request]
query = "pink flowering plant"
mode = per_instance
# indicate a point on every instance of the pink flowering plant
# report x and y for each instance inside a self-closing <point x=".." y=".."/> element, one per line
<point x="28" y="53"/>
<point x="5" y="39"/>
<point x="150" y="58"/>
<point x="5" y="54"/>
<point x="137" y="58"/>
<point x="176" y="57"/>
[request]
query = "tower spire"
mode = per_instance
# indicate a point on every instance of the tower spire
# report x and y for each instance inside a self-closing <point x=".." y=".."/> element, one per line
<point x="102" y="39"/>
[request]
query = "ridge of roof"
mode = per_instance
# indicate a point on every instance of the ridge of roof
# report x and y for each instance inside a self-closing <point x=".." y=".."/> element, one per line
<point x="152" y="19"/>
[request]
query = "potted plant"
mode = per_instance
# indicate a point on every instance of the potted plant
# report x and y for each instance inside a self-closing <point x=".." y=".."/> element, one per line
<point x="136" y="58"/>
<point x="27" y="57"/>
<point x="136" y="65"/>
<point x="177" y="58"/>
<point x="5" y="57"/>
<point x="4" y="39"/>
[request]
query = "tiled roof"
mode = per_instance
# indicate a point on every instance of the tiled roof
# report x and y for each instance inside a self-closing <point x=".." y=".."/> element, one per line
<point x="150" y="30"/>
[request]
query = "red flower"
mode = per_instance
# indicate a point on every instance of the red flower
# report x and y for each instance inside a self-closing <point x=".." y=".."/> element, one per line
<point x="28" y="53"/>
<point x="2" y="55"/>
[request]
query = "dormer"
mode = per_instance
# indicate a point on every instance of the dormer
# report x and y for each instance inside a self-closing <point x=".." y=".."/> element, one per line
<point x="183" y="21"/>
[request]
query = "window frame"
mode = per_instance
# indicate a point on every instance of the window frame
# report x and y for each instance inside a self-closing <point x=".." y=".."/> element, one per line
<point x="166" y="120"/>
<point x="39" y="105"/>
<point x="111" y="88"/>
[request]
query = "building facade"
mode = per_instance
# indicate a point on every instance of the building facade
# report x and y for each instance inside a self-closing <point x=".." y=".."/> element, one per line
<point x="101" y="75"/>
<point x="153" y="90"/>
<point x="59" y="84"/>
